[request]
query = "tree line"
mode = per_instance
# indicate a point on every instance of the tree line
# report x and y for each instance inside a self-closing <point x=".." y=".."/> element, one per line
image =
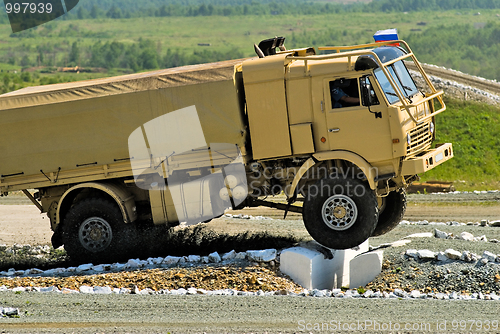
<point x="118" y="9"/>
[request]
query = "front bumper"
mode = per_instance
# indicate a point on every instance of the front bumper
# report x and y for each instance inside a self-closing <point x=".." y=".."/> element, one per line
<point x="427" y="160"/>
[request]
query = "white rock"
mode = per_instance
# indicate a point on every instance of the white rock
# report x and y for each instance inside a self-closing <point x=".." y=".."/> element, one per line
<point x="440" y="234"/>
<point x="67" y="291"/>
<point x="86" y="289"/>
<point x="102" y="290"/>
<point x="495" y="223"/>
<point x="397" y="243"/>
<point x="35" y="271"/>
<point x="124" y="291"/>
<point x="193" y="258"/>
<point x="453" y="254"/>
<point x="466" y="256"/>
<point x="171" y="260"/>
<point x="84" y="267"/>
<point x="50" y="289"/>
<point x="415" y="294"/>
<point x="440" y="295"/>
<point x="204" y="259"/>
<point x="241" y="256"/>
<point x="9" y="311"/>
<point x="368" y="294"/>
<point x="494" y="297"/>
<point x="178" y="292"/>
<point x="489" y="256"/>
<point x="265" y="255"/>
<point x="98" y="268"/>
<point x="441" y="256"/>
<point x="466" y="236"/>
<point x="400" y="293"/>
<point x="229" y="256"/>
<point x="146" y="291"/>
<point x="118" y="266"/>
<point x="19" y="289"/>
<point x="420" y="235"/>
<point x="392" y="295"/>
<point x="214" y="257"/>
<point x="133" y="263"/>
<point x="400" y="243"/>
<point x="412" y="253"/>
<point x="318" y="293"/>
<point x="426" y="254"/>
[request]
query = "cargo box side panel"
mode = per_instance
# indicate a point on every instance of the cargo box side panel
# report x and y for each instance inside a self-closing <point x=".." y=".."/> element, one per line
<point x="95" y="130"/>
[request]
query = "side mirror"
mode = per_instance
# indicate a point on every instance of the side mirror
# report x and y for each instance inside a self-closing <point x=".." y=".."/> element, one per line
<point x="366" y="96"/>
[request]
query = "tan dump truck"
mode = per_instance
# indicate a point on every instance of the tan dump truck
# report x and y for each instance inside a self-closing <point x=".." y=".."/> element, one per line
<point x="344" y="133"/>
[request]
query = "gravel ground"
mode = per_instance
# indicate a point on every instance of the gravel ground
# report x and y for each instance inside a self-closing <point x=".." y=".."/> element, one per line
<point x="56" y="313"/>
<point x="90" y="313"/>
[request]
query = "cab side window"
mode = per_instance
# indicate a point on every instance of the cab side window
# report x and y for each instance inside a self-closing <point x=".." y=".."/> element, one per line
<point x="344" y="93"/>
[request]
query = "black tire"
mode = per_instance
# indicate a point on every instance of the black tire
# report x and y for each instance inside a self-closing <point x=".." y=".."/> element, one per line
<point x="392" y="212"/>
<point x="352" y="224"/>
<point x="94" y="231"/>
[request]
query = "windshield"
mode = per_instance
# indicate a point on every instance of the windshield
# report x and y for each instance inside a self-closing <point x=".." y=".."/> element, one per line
<point x="403" y="80"/>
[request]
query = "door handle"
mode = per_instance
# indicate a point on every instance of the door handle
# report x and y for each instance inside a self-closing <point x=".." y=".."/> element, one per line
<point x="334" y="130"/>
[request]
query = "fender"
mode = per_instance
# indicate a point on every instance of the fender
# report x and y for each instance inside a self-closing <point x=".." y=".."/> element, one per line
<point x="121" y="196"/>
<point x="366" y="168"/>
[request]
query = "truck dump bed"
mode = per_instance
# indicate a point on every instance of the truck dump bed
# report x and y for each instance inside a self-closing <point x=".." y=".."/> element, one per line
<point x="68" y="130"/>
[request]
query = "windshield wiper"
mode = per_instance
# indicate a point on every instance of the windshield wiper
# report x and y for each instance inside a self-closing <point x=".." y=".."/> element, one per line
<point x="391" y="93"/>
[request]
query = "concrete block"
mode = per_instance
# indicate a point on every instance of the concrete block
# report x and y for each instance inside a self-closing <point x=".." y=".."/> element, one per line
<point x="364" y="268"/>
<point x="308" y="267"/>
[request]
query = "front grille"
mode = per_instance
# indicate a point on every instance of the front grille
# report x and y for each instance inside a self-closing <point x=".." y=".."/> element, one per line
<point x="421" y="139"/>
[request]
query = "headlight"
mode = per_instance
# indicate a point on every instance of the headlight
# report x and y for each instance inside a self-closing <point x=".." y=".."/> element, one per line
<point x="432" y="128"/>
<point x="408" y="139"/>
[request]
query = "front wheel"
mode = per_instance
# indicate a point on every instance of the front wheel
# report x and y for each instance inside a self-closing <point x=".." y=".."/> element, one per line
<point x="94" y="230"/>
<point x="340" y="214"/>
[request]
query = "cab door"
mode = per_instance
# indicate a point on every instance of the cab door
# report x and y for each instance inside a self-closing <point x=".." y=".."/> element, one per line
<point x="352" y="126"/>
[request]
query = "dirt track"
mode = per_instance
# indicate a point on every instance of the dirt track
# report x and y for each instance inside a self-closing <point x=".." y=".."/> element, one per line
<point x="23" y="224"/>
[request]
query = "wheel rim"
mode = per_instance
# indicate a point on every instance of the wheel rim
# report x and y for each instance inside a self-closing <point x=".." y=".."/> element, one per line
<point x="95" y="234"/>
<point x="339" y="212"/>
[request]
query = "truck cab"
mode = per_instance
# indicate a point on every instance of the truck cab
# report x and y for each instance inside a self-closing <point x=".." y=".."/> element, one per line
<point x="351" y="153"/>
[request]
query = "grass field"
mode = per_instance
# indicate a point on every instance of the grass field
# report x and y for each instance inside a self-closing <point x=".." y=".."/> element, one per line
<point x="473" y="129"/>
<point x="227" y="33"/>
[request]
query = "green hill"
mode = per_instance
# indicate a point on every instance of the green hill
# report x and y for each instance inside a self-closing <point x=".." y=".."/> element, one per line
<point x="474" y="130"/>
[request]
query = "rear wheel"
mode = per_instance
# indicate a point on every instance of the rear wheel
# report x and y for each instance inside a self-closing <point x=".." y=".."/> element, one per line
<point x="94" y="230"/>
<point x="340" y="214"/>
<point x="392" y="212"/>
